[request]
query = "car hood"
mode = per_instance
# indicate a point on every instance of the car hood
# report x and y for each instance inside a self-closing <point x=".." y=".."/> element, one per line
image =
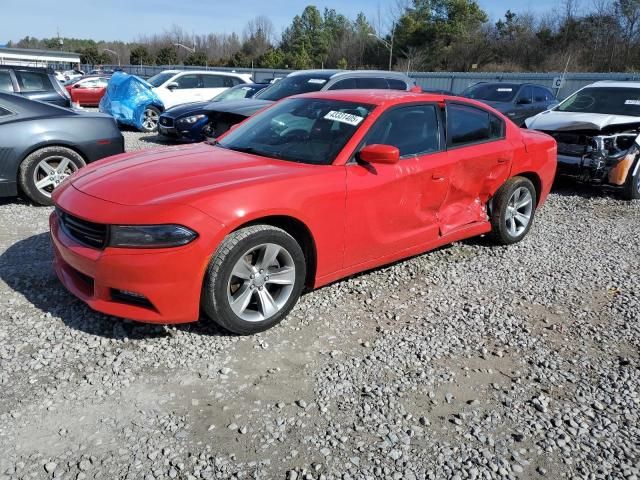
<point x="245" y="107"/>
<point x="178" y="174"/>
<point x="192" y="108"/>
<point x="553" y="120"/>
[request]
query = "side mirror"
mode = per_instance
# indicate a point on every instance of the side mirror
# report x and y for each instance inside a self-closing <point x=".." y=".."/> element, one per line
<point x="377" y="153"/>
<point x="172" y="86"/>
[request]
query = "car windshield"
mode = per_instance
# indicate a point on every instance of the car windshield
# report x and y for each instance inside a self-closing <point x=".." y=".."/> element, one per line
<point x="305" y="130"/>
<point x="491" y="92"/>
<point x="160" y="78"/>
<point x="292" y="85"/>
<point x="236" y="93"/>
<point x="607" y="100"/>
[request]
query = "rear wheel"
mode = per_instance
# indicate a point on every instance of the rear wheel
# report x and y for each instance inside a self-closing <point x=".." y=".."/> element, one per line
<point x="45" y="169"/>
<point x="150" y="118"/>
<point x="632" y="186"/>
<point x="513" y="210"/>
<point x="254" y="279"/>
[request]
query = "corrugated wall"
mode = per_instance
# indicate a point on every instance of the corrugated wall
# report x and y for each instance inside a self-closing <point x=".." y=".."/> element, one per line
<point x="454" y="81"/>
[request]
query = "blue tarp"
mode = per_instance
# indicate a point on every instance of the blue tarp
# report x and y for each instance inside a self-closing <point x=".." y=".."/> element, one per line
<point x="127" y="97"/>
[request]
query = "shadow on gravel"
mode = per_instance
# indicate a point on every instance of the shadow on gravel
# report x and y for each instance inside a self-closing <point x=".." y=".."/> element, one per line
<point x="26" y="268"/>
<point x="567" y="187"/>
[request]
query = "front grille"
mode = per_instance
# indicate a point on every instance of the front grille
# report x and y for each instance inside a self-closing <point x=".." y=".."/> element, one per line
<point x="166" y="121"/>
<point x="88" y="233"/>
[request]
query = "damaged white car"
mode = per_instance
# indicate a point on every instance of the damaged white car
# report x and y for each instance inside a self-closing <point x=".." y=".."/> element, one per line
<point x="598" y="134"/>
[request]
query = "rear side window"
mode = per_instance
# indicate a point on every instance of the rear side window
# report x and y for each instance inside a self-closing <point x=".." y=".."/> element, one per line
<point x="468" y="125"/>
<point x="215" y="81"/>
<point x="414" y="130"/>
<point x="33" y="81"/>
<point x="525" y="95"/>
<point x="5" y="82"/>
<point x="395" y="84"/>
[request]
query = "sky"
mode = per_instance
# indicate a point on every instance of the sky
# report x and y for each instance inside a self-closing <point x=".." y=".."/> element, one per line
<point x="126" y="20"/>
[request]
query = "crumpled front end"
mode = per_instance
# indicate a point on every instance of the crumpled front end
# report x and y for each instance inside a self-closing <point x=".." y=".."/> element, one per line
<point x="598" y="158"/>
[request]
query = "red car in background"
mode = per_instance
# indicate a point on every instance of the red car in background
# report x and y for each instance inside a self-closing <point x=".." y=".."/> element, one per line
<point x="311" y="190"/>
<point x="88" y="91"/>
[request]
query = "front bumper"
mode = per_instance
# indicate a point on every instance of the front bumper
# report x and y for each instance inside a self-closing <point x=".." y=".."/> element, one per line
<point x="169" y="280"/>
<point x="173" y="131"/>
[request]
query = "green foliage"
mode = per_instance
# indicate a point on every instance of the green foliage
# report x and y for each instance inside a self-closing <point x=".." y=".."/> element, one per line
<point x="167" y="56"/>
<point x="343" y="64"/>
<point x="197" y="58"/>
<point x="141" y="56"/>
<point x="272" y="58"/>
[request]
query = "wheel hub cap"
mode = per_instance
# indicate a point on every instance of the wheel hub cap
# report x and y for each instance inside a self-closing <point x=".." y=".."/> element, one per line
<point x="519" y="211"/>
<point x="51" y="172"/>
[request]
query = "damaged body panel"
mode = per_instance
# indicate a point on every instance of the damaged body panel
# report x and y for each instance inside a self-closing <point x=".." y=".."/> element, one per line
<point x="598" y="134"/>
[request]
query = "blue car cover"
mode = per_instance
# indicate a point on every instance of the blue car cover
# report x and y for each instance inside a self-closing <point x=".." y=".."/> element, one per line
<point x="127" y="97"/>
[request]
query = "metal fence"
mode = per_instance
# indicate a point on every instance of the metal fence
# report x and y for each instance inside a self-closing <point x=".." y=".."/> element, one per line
<point x="455" y="82"/>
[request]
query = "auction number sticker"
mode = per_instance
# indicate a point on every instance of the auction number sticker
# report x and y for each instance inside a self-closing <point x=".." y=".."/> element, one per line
<point x="317" y="81"/>
<point x="343" y="118"/>
<point x="505" y="89"/>
<point x="632" y="102"/>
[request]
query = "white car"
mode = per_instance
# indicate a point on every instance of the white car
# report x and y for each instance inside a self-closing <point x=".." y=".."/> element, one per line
<point x="598" y="134"/>
<point x="70" y="76"/>
<point x="175" y="87"/>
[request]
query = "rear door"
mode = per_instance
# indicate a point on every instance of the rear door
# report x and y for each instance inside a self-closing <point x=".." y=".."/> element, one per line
<point x="391" y="208"/>
<point x="480" y="158"/>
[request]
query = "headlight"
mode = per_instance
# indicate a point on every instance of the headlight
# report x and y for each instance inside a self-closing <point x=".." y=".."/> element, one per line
<point x="150" y="236"/>
<point x="192" y="119"/>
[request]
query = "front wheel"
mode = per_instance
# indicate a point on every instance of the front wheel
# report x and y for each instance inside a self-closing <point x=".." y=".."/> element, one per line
<point x="512" y="211"/>
<point x="632" y="186"/>
<point x="254" y="279"/>
<point x="150" y="118"/>
<point x="45" y="169"/>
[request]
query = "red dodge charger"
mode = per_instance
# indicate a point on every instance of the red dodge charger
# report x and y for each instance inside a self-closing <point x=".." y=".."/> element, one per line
<point x="310" y="190"/>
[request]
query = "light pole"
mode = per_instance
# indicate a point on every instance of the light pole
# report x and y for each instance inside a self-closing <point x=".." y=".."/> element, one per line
<point x="114" y="53"/>
<point x="188" y="49"/>
<point x="387" y="44"/>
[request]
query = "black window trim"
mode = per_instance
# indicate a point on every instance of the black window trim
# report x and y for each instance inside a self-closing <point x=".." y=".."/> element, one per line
<point x="441" y="128"/>
<point x="480" y="142"/>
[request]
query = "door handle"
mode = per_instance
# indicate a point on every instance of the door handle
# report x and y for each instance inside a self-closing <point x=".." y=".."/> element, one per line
<point x="502" y="160"/>
<point x="438" y="177"/>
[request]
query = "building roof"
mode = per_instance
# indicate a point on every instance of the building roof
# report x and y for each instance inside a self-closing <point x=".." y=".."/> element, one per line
<point x="41" y="55"/>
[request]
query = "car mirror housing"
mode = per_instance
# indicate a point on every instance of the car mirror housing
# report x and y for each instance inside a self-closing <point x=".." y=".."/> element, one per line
<point x="172" y="86"/>
<point x="377" y="153"/>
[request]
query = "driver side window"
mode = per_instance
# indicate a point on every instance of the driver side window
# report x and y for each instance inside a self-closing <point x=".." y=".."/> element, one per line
<point x="187" y="81"/>
<point x="414" y="130"/>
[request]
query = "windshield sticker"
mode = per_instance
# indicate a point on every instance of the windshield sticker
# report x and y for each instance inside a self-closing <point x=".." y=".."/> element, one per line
<point x="318" y="81"/>
<point x="632" y="102"/>
<point x="344" y="118"/>
<point x="505" y="89"/>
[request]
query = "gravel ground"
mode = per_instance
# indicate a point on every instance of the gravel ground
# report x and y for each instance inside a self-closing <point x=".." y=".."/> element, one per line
<point x="468" y="362"/>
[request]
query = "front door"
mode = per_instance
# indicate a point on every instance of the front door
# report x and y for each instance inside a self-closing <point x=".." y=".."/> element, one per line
<point x="391" y="208"/>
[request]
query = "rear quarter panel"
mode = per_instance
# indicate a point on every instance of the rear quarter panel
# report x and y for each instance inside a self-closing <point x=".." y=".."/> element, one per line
<point x="539" y="157"/>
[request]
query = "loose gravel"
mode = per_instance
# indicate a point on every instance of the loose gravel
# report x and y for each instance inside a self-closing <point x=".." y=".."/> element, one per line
<point x="470" y="362"/>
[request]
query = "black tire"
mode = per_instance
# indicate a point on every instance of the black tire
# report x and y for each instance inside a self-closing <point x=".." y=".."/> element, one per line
<point x="152" y="125"/>
<point x="218" y="280"/>
<point x="631" y="189"/>
<point x="31" y="172"/>
<point x="500" y="231"/>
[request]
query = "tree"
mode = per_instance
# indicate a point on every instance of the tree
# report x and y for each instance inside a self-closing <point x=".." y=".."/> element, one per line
<point x="197" y="58"/>
<point x="140" y="56"/>
<point x="272" y="58"/>
<point x="305" y="41"/>
<point x="167" y="56"/>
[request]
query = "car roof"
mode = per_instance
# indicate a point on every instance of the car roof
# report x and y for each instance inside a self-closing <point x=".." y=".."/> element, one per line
<point x="330" y="74"/>
<point x="213" y="72"/>
<point x="615" y="84"/>
<point x="374" y="97"/>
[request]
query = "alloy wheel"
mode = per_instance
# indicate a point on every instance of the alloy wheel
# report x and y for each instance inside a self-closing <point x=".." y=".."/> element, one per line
<point x="150" y="120"/>
<point x="261" y="282"/>
<point x="51" y="172"/>
<point x="519" y="210"/>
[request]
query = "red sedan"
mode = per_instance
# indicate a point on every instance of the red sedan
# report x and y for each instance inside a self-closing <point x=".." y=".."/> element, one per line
<point x="310" y="190"/>
<point x="88" y="91"/>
